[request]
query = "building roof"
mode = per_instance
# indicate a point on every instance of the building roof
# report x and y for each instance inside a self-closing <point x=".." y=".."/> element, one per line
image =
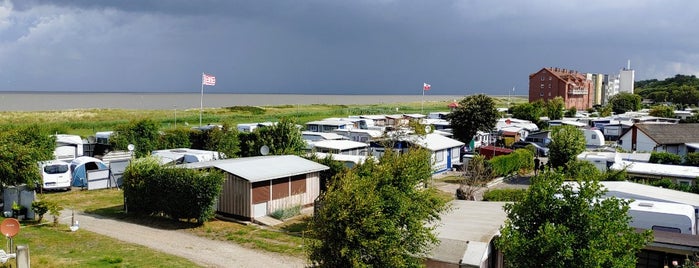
<point x="324" y="135"/>
<point x="435" y="142"/>
<point x="466" y="230"/>
<point x="357" y="159"/>
<point x="263" y="168"/>
<point x="670" y="133"/>
<point x="340" y="144"/>
<point x="657" y="170"/>
<point x="331" y="123"/>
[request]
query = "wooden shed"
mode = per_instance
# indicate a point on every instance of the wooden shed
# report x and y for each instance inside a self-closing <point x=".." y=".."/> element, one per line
<point x="258" y="186"/>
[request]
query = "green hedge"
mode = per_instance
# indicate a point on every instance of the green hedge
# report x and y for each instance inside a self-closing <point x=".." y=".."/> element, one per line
<point x="178" y="193"/>
<point x="504" y="195"/>
<point x="520" y="159"/>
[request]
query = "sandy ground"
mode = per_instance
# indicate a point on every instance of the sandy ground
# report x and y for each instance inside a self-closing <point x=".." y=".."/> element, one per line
<point x="206" y="252"/>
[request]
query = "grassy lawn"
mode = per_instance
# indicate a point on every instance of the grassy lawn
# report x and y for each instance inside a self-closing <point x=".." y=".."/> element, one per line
<point x="59" y="247"/>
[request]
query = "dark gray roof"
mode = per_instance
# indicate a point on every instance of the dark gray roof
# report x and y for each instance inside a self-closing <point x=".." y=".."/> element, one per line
<point x="670" y="133"/>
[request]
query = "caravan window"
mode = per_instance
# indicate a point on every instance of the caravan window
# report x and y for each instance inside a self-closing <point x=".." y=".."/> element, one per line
<point x="55" y="169"/>
<point x="666" y="229"/>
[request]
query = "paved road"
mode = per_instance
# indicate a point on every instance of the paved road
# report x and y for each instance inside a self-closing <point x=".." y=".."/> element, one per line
<point x="207" y="252"/>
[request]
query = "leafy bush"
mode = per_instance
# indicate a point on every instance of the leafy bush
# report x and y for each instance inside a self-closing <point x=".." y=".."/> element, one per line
<point x="504" y="195"/>
<point x="505" y="165"/>
<point x="175" y="192"/>
<point x="692" y="159"/>
<point x="41" y="207"/>
<point x="665" y="158"/>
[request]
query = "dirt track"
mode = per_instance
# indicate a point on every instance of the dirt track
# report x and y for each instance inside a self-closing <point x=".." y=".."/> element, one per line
<point x="206" y="252"/>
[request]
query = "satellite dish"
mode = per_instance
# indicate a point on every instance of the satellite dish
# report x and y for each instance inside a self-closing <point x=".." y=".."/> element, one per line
<point x="428" y="129"/>
<point x="131" y="147"/>
<point x="264" y="150"/>
<point x="9" y="227"/>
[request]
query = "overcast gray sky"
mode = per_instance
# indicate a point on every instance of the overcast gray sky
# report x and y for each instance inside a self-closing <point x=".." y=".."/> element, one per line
<point x="336" y="46"/>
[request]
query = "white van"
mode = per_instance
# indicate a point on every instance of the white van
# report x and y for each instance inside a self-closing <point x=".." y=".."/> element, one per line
<point x="55" y="175"/>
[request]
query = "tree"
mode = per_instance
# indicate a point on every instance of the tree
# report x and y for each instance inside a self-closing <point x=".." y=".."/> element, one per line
<point x="20" y="150"/>
<point x="662" y="111"/>
<point x="175" y="138"/>
<point x="686" y="95"/>
<point x="558" y="226"/>
<point x="377" y="214"/>
<point x="478" y="173"/>
<point x="475" y="112"/>
<point x="554" y="108"/>
<point x="282" y="138"/>
<point x="625" y="102"/>
<point x="223" y="140"/>
<point x="572" y="112"/>
<point x="527" y="111"/>
<point x="567" y="142"/>
<point x="143" y="134"/>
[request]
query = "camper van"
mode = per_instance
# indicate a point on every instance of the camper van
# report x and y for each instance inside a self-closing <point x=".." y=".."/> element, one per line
<point x="55" y="175"/>
<point x="663" y="216"/>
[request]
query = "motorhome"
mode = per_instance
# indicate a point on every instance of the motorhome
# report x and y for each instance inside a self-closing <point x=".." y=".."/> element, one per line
<point x="68" y="147"/>
<point x="663" y="216"/>
<point x="55" y="175"/>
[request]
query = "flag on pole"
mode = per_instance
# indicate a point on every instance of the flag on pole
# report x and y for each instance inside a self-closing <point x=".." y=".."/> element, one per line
<point x="426" y="86"/>
<point x="208" y="80"/>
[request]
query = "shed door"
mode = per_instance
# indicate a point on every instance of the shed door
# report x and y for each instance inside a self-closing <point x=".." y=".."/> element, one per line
<point x="259" y="210"/>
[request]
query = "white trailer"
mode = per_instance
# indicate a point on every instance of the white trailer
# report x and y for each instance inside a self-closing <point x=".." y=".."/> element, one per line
<point x="68" y="147"/>
<point x="663" y="216"/>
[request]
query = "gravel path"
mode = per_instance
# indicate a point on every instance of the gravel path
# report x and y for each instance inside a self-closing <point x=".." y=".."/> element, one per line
<point x="206" y="252"/>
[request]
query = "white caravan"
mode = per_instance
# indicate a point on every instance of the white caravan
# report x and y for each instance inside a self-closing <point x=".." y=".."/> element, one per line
<point x="663" y="216"/>
<point x="68" y="147"/>
<point x="55" y="175"/>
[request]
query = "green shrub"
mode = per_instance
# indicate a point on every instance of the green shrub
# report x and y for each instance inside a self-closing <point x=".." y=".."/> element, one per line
<point x="665" y="158"/>
<point x="41" y="207"/>
<point x="175" y="192"/>
<point x="504" y="195"/>
<point x="285" y="213"/>
<point x="692" y="159"/>
<point x="519" y="160"/>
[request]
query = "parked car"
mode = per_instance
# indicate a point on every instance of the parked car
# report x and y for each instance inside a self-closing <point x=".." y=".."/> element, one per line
<point x="540" y="150"/>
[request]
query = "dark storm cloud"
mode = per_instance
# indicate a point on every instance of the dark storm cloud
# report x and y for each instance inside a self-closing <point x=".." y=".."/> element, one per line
<point x="364" y="46"/>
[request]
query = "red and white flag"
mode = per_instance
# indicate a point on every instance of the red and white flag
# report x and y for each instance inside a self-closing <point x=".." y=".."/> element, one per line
<point x="208" y="80"/>
<point x="426" y="86"/>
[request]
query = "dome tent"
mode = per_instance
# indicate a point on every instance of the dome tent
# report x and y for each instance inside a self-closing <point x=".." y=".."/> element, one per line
<point x="82" y="165"/>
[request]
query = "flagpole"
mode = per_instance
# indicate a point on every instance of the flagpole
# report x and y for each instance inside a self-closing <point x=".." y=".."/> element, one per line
<point x="422" y="106"/>
<point x="201" y="100"/>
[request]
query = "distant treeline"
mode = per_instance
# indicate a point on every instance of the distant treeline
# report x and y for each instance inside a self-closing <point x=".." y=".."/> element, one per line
<point x="681" y="89"/>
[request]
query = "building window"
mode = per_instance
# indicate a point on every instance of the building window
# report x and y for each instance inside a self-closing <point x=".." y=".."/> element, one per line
<point x="549" y="94"/>
<point x="550" y="78"/>
<point x="542" y="85"/>
<point x="549" y="85"/>
<point x="542" y="78"/>
<point x="541" y="94"/>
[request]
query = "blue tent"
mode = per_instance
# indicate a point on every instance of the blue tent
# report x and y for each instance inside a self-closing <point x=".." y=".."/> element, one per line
<point x="81" y="166"/>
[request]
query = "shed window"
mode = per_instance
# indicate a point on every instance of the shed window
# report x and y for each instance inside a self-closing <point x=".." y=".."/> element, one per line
<point x="260" y="192"/>
<point x="298" y="184"/>
<point x="280" y="188"/>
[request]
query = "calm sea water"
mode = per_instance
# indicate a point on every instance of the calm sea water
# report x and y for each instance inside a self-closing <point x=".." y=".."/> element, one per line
<point x="44" y="101"/>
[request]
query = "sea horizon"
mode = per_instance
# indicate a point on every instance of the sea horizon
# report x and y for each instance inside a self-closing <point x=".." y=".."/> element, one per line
<point x="71" y="100"/>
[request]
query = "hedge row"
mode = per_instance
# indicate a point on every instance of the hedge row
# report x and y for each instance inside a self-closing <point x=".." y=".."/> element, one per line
<point x="178" y="193"/>
<point x="520" y="159"/>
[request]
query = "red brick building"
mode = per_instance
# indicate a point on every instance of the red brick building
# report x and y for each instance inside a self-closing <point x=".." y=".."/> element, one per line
<point x="572" y="86"/>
